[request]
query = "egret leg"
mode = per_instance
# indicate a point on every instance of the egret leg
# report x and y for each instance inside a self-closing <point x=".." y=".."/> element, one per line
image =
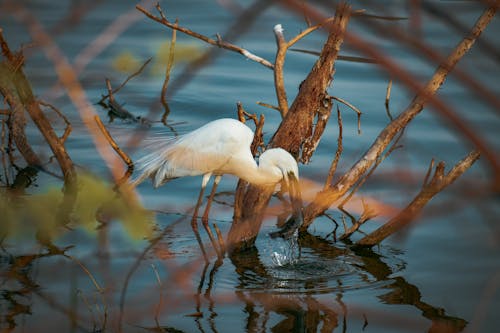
<point x="204" y="218"/>
<point x="194" y="224"/>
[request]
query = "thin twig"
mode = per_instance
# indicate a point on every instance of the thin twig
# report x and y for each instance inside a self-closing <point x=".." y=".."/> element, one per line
<point x="388" y="93"/>
<point x="428" y="174"/>
<point x="352" y="107"/>
<point x="170" y="64"/>
<point x="117" y="149"/>
<point x="368" y="213"/>
<point x="219" y="43"/>
<point x="333" y="166"/>
<point x="266" y="105"/>
<point x="307" y="31"/>
<point x="160" y="286"/>
<point x="139" y="71"/>
<point x="360" y="183"/>
<point x="68" y="129"/>
<point x="68" y="78"/>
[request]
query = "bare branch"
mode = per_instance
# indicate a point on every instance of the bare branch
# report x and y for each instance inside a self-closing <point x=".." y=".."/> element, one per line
<point x="355" y="109"/>
<point x="307" y="31"/>
<point x="436" y="184"/>
<point x="328" y="197"/>
<point x="167" y="74"/>
<point x="218" y="42"/>
<point x="266" y="105"/>
<point x="294" y="129"/>
<point x="333" y="166"/>
<point x="117" y="149"/>
<point x="68" y="129"/>
<point x="279" y="62"/>
<point x="139" y="71"/>
<point x="368" y="213"/>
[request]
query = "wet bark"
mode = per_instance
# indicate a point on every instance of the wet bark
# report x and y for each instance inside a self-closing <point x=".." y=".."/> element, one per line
<point x="294" y="131"/>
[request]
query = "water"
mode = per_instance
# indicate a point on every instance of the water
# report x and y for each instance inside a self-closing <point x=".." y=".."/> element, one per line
<point x="441" y="274"/>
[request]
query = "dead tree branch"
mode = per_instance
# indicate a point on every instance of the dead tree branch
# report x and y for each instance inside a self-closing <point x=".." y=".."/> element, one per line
<point x="431" y="187"/>
<point x="114" y="91"/>
<point x="16" y="89"/>
<point x="117" y="149"/>
<point x="279" y="62"/>
<point x="335" y="162"/>
<point x="168" y="69"/>
<point x="215" y="42"/>
<point x="326" y="198"/>
<point x="294" y="129"/>
<point x="297" y="126"/>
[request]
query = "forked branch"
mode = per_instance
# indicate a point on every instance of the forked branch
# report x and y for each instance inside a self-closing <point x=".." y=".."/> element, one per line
<point x="215" y="42"/>
<point x="431" y="187"/>
<point x="328" y="197"/>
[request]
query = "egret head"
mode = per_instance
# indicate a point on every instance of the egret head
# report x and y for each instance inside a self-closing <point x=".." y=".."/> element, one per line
<point x="286" y="170"/>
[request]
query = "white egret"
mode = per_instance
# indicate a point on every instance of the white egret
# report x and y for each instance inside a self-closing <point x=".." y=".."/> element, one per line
<point x="219" y="147"/>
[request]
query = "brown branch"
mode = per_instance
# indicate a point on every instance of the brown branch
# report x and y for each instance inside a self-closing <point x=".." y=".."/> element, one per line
<point x="279" y="62"/>
<point x="436" y="184"/>
<point x="6" y="52"/>
<point x="16" y="89"/>
<point x="68" y="129"/>
<point x="360" y="183"/>
<point x="139" y="71"/>
<point x="307" y="31"/>
<point x="219" y="43"/>
<point x="333" y="166"/>
<point x="170" y="64"/>
<point x="328" y="197"/>
<point x="310" y="144"/>
<point x="294" y="129"/>
<point x="269" y="106"/>
<point x="352" y="107"/>
<point x="117" y="149"/>
<point x="297" y="125"/>
<point x="368" y="213"/>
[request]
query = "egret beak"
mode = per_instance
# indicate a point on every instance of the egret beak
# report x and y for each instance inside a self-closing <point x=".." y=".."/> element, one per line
<point x="297" y="219"/>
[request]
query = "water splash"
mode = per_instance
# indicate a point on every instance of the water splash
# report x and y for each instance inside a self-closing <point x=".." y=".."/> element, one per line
<point x="286" y="251"/>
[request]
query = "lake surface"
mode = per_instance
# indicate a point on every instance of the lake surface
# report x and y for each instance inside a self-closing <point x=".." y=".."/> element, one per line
<point x="441" y="275"/>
